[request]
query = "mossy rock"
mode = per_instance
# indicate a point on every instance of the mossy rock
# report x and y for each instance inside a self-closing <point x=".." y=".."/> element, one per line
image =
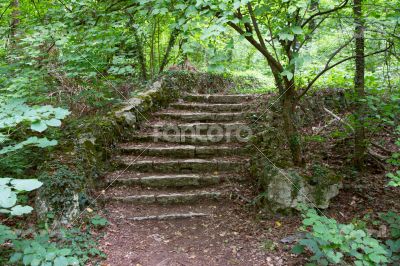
<point x="288" y="189"/>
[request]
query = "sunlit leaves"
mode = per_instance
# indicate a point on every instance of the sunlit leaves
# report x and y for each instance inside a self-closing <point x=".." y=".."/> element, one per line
<point x="285" y="36"/>
<point x="288" y="74"/>
<point x="9" y="189"/>
<point x="16" y="113"/>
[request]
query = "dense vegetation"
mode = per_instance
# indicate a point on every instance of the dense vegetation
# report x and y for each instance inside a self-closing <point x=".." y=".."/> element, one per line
<point x="67" y="63"/>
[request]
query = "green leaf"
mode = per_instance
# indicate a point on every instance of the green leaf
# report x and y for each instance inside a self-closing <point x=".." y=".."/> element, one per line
<point x="60" y="113"/>
<point x="26" y="184"/>
<point x="284" y="36"/>
<point x="53" y="122"/>
<point x="44" y="143"/>
<point x="297" y="30"/>
<point x="298" y="249"/>
<point x="4" y="181"/>
<point x="8" y="198"/>
<point x="39" y="126"/>
<point x="288" y="74"/>
<point x="19" y="210"/>
<point x="61" y="261"/>
<point x="64" y="252"/>
<point x="17" y="256"/>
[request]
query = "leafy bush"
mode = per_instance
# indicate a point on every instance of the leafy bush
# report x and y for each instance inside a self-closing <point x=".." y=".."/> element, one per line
<point x="332" y="243"/>
<point x="16" y="113"/>
<point x="393" y="244"/>
<point x="41" y="251"/>
<point x="83" y="245"/>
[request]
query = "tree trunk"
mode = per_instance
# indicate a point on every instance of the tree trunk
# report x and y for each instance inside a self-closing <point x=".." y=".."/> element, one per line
<point x="288" y="103"/>
<point x="171" y="43"/>
<point x="359" y="136"/>
<point x="14" y="23"/>
<point x="152" y="40"/>
<point x="141" y="56"/>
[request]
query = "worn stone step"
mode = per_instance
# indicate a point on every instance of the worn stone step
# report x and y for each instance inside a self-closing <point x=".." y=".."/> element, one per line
<point x="218" y="98"/>
<point x="166" y="165"/>
<point x="169" y="216"/>
<point x="174" y="150"/>
<point x="128" y="178"/>
<point x="206" y="107"/>
<point x="190" y="138"/>
<point x="167" y="198"/>
<point x="199" y="128"/>
<point x="141" y="212"/>
<point x="201" y="116"/>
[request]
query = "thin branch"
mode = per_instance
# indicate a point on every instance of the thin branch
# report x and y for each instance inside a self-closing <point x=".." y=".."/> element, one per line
<point x="307" y="37"/>
<point x="257" y="45"/>
<point x="255" y="25"/>
<point x="66" y="7"/>
<point x="342" y="5"/>
<point x="5" y="10"/>
<point x="326" y="68"/>
<point x="338" y="51"/>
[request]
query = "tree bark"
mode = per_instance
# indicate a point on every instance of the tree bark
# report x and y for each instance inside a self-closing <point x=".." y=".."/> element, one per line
<point x="359" y="135"/>
<point x="14" y="23"/>
<point x="289" y="103"/>
<point x="171" y="43"/>
<point x="140" y="55"/>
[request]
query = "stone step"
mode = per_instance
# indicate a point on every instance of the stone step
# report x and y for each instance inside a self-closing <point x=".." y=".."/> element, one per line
<point x="189" y="139"/>
<point x="152" y="197"/>
<point x="218" y="98"/>
<point x="128" y="178"/>
<point x="201" y="116"/>
<point x="199" y="128"/>
<point x="180" y="151"/>
<point x="216" y="107"/>
<point x="169" y="216"/>
<point x="166" y="165"/>
<point x="142" y="212"/>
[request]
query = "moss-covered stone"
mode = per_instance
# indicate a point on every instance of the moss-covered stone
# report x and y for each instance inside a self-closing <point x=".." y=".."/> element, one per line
<point x="287" y="189"/>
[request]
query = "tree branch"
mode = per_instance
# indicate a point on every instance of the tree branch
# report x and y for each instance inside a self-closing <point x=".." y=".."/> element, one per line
<point x="326" y="68"/>
<point x="255" y="25"/>
<point x="342" y="5"/>
<point x="5" y="10"/>
<point x="258" y="46"/>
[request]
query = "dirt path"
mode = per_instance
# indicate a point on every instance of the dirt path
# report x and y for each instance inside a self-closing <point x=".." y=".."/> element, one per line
<point x="230" y="236"/>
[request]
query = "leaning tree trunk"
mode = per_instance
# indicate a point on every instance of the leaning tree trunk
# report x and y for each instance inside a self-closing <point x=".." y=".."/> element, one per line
<point x="359" y="136"/>
<point x="171" y="43"/>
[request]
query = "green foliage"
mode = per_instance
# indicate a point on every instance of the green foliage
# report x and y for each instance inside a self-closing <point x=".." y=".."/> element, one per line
<point x="60" y="186"/>
<point x="393" y="219"/>
<point x="331" y="242"/>
<point x="83" y="245"/>
<point x="16" y="113"/>
<point x="41" y="251"/>
<point x="395" y="161"/>
<point x="6" y="234"/>
<point x="9" y="189"/>
<point x="98" y="221"/>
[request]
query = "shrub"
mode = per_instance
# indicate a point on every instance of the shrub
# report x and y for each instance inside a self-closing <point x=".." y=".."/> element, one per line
<point x="333" y="243"/>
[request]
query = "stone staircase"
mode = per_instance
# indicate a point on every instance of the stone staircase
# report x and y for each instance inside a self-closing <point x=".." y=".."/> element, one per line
<point x="183" y="159"/>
